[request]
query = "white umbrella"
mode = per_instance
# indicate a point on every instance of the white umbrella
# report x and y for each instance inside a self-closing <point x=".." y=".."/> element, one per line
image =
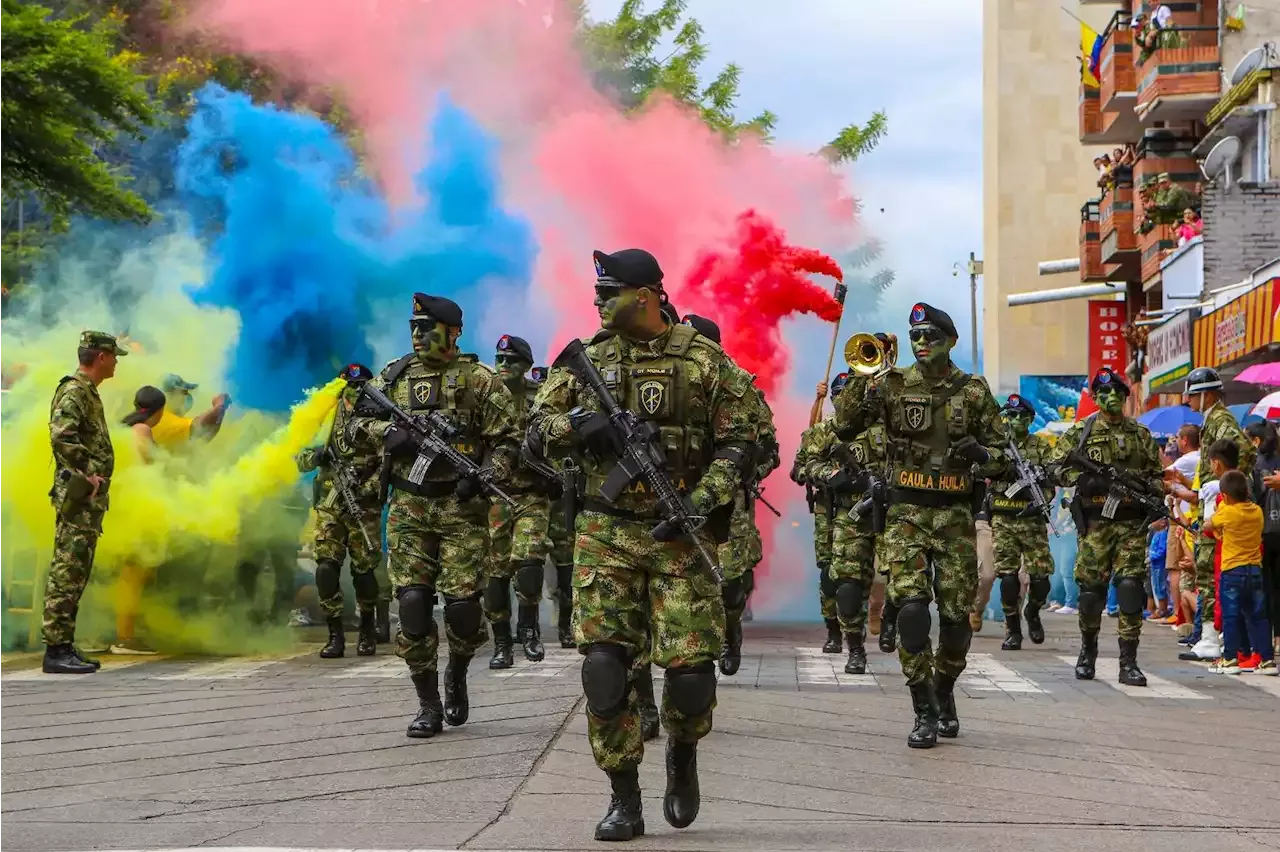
<point x="1268" y="407"/>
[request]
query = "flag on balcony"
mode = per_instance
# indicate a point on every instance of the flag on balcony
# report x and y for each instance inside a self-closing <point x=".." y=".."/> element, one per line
<point x="1091" y="55"/>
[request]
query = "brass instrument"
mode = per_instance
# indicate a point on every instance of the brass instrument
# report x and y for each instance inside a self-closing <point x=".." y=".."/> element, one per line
<point x="867" y="355"/>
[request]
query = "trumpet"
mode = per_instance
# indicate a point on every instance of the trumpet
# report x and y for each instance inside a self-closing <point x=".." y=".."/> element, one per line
<point x="868" y="355"/>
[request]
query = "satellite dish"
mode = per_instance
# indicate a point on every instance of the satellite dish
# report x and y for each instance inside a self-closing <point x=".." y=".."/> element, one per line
<point x="1249" y="63"/>
<point x="1221" y="158"/>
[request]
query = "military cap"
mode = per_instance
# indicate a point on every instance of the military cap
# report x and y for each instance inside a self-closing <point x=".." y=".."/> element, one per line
<point x="101" y="341"/>
<point x="437" y="308"/>
<point x="519" y="347"/>
<point x="629" y="267"/>
<point x="707" y="328"/>
<point x="923" y="314"/>
<point x="1108" y="378"/>
<point x="1018" y="404"/>
<point x="356" y="373"/>
<point x="173" y="382"/>
<point x="146" y="402"/>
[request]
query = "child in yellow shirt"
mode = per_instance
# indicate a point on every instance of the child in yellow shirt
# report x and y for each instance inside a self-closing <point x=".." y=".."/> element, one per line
<point x="1238" y="523"/>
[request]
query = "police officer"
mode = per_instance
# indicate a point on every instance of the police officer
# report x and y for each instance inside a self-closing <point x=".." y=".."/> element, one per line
<point x="518" y="534"/>
<point x="437" y="532"/>
<point x="630" y="588"/>
<point x="1020" y="532"/>
<point x="942" y="431"/>
<point x="1116" y="545"/>
<point x="341" y="532"/>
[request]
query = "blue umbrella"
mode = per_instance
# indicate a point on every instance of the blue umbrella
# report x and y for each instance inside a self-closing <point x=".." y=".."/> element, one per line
<point x="1241" y="411"/>
<point x="1169" y="419"/>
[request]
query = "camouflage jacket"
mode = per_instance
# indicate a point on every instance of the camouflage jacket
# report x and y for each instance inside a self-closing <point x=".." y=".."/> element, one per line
<point x="357" y="454"/>
<point x="1035" y="450"/>
<point x="79" y="435"/>
<point x="1219" y="424"/>
<point x="1125" y="445"/>
<point x="680" y="371"/>
<point x="767" y="453"/>
<point x="812" y="441"/>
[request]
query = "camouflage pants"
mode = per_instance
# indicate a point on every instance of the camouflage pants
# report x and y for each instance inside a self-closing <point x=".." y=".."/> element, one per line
<point x="383" y="576"/>
<point x="1204" y="552"/>
<point x="441" y="544"/>
<point x="562" y="556"/>
<point x="1111" y="548"/>
<point x="738" y="558"/>
<point x="1020" y="544"/>
<point x="932" y="554"/>
<point x="632" y="591"/>
<point x="338" y="534"/>
<point x="822" y="551"/>
<point x="75" y="538"/>
<point x="853" y="556"/>
<point x="517" y="535"/>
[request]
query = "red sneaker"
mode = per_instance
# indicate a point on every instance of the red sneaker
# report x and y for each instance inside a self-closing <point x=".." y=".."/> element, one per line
<point x="1251" y="663"/>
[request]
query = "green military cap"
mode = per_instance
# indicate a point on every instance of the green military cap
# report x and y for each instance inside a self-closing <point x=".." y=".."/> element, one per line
<point x="102" y="341"/>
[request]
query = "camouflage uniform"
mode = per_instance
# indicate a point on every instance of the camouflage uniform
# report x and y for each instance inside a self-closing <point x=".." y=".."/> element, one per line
<point x="1219" y="424"/>
<point x="561" y="538"/>
<point x="631" y="591"/>
<point x="818" y="435"/>
<point x="1021" y="539"/>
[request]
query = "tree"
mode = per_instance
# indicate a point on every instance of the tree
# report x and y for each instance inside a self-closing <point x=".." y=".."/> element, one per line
<point x="866" y="288"/>
<point x="854" y="141"/>
<point x="67" y="91"/>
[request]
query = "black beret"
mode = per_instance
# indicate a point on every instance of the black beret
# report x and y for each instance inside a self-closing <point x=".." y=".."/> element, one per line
<point x="630" y="267"/>
<point x="356" y="373"/>
<point x="705" y="327"/>
<point x="922" y="313"/>
<point x="838" y="383"/>
<point x="511" y="345"/>
<point x="1108" y="378"/>
<point x="437" y="308"/>
<point x="538" y="375"/>
<point x="1018" y="403"/>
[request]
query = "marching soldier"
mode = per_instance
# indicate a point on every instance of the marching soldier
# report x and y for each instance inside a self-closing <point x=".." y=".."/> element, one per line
<point x="437" y="531"/>
<point x="1113" y="532"/>
<point x="1021" y="533"/>
<point x="630" y="587"/>
<point x="942" y="429"/>
<point x="348" y="519"/>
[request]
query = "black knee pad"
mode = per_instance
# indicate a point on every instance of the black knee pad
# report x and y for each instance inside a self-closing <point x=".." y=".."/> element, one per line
<point x="913" y="625"/>
<point x="1010" y="589"/>
<point x="327" y="579"/>
<point x="606" y="670"/>
<point x="463" y="616"/>
<point x="1092" y="601"/>
<point x="1040" y="589"/>
<point x="733" y="594"/>
<point x="497" y="594"/>
<point x="826" y="584"/>
<point x="692" y="689"/>
<point x="366" y="586"/>
<point x="849" y="598"/>
<point x="955" y="635"/>
<point x="416" y="603"/>
<point x="749" y="581"/>
<point x="1130" y="595"/>
<point x="529" y="579"/>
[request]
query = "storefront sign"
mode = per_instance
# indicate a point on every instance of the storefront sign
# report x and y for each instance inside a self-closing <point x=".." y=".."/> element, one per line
<point x="1169" y="351"/>
<point x="1239" y="327"/>
<point x="1107" y="347"/>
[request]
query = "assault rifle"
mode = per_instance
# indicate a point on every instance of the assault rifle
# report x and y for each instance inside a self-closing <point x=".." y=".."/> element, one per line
<point x="566" y="478"/>
<point x="342" y="484"/>
<point x="756" y="492"/>
<point x="1028" y="480"/>
<point x="874" y="504"/>
<point x="642" y="457"/>
<point x="432" y="433"/>
<point x="1122" y="485"/>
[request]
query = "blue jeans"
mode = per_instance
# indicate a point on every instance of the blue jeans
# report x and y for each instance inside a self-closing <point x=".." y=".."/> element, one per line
<point x="1244" y="603"/>
<point x="1159" y="584"/>
<point x="1062" y="585"/>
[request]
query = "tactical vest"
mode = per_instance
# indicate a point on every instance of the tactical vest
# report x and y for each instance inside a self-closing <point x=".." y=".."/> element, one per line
<point x="1000" y="503"/>
<point x="1119" y="447"/>
<point x="658" y="390"/>
<point x="450" y="389"/>
<point x="867" y="452"/>
<point x="923" y="424"/>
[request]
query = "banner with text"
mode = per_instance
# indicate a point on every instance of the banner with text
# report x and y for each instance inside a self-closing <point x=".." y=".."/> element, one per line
<point x="1169" y="352"/>
<point x="1107" y="347"/>
<point x="1240" y="327"/>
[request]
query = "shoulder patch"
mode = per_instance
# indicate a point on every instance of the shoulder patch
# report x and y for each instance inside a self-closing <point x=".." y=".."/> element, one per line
<point x="698" y="341"/>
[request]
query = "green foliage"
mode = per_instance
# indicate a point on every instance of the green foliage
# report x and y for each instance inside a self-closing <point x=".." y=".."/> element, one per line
<point x="866" y="288"/>
<point x="856" y="140"/>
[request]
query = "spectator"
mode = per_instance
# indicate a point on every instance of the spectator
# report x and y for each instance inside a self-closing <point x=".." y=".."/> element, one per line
<point x="1190" y="227"/>
<point x="1266" y="489"/>
<point x="175" y="429"/>
<point x="1063" y="547"/>
<point x="1157" y="555"/>
<point x="1238" y="525"/>
<point x="1103" y="164"/>
<point x="1179" y="561"/>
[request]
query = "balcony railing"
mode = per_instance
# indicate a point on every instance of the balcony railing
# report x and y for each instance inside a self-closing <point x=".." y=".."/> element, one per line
<point x="1152" y="246"/>
<point x="1091" y="266"/>
<point x="1185" y="63"/>
<point x="1115" y="222"/>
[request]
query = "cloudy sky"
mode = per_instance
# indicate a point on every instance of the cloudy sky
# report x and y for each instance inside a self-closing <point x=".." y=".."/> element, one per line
<point x="821" y="64"/>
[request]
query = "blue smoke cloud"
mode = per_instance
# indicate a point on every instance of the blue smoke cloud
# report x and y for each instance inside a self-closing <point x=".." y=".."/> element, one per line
<point x="308" y="252"/>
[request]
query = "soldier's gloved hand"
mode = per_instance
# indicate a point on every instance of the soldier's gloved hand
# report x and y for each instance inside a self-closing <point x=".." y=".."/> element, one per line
<point x="595" y="432"/>
<point x="665" y="531"/>
<point x="968" y="449"/>
<point x="306" y="459"/>
<point x="844" y="482"/>
<point x="396" y="441"/>
<point x="468" y="488"/>
<point x="796" y="476"/>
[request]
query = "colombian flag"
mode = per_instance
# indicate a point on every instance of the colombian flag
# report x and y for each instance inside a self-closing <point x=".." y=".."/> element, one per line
<point x="1091" y="55"/>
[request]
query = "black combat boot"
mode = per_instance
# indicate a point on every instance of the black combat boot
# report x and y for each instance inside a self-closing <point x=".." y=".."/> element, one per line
<point x="1130" y="674"/>
<point x="502" y="657"/>
<point x="61" y="659"/>
<point x="680" y="804"/>
<point x="624" y="820"/>
<point x="944" y="689"/>
<point x="457" y="707"/>
<point x="731" y="653"/>
<point x="564" y="625"/>
<point x="384" y="623"/>
<point x="430" y="718"/>
<point x="337" y="645"/>
<point x="1012" y="633"/>
<point x="889" y="630"/>
<point x="857" y="662"/>
<point x="835" y="642"/>
<point x="531" y="633"/>
<point x="650" y="722"/>
<point x="367" y="638"/>
<point x="925" y="732"/>
<point x="1088" y="655"/>
<point x="1035" y="629"/>
<point x="79" y="655"/>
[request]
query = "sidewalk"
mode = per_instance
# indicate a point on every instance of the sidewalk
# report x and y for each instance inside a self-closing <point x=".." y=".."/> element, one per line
<point x="304" y="753"/>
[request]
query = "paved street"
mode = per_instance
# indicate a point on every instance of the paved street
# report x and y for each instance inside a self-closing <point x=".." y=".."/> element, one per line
<point x="296" y="752"/>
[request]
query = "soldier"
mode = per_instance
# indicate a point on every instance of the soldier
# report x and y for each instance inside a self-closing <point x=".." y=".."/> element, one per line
<point x="518" y="535"/>
<point x="437" y="535"/>
<point x="84" y="461"/>
<point x="1020" y="531"/>
<point x="743" y="551"/>
<point x="1115" y="545"/>
<point x="347" y="528"/>
<point x="819" y="434"/>
<point x="631" y="589"/>
<point x="1204" y="394"/>
<point x="942" y="430"/>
